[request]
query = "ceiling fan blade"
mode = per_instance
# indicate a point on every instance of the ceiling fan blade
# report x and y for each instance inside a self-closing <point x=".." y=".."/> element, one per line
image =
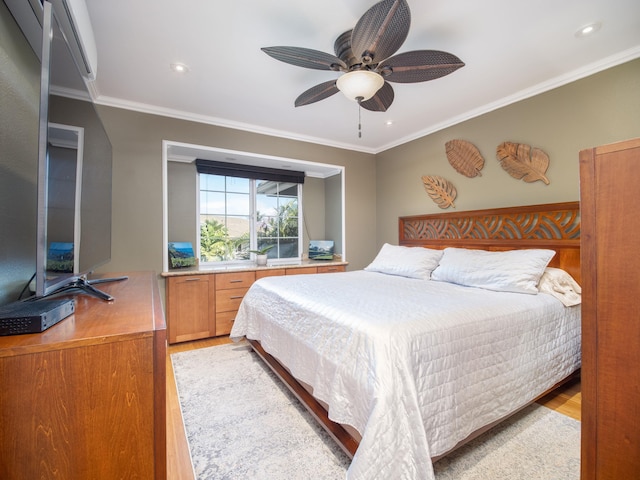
<point x="381" y="31"/>
<point x="381" y="100"/>
<point x="306" y="57"/>
<point x="317" y="93"/>
<point x="419" y="66"/>
<point x="342" y="47"/>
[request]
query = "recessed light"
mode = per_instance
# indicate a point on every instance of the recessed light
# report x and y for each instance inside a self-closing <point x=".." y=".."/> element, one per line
<point x="179" y="67"/>
<point x="589" y="29"/>
<point x="388" y="123"/>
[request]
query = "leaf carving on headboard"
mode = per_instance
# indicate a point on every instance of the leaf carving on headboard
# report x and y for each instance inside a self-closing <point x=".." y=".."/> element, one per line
<point x="523" y="162"/>
<point x="441" y="190"/>
<point x="464" y="157"/>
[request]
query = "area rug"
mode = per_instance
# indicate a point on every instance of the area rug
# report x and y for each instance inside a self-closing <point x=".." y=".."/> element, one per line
<point x="241" y="422"/>
<point x="534" y="444"/>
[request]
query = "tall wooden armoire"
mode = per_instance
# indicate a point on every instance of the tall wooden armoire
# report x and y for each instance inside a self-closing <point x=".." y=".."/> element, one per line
<point x="610" y="257"/>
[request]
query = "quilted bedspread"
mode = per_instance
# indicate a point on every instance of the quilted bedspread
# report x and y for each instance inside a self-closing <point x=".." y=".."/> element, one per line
<point x="414" y="366"/>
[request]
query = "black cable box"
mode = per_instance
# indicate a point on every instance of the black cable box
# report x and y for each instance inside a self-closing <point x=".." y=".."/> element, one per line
<point x="34" y="316"/>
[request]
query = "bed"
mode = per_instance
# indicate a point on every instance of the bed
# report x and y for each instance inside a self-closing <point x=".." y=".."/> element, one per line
<point x="406" y="360"/>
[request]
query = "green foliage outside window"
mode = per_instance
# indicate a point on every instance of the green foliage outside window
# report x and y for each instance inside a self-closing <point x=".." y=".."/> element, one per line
<point x="285" y="224"/>
<point x="279" y="230"/>
<point x="216" y="245"/>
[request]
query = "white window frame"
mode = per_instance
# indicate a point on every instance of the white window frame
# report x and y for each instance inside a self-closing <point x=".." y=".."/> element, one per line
<point x="253" y="237"/>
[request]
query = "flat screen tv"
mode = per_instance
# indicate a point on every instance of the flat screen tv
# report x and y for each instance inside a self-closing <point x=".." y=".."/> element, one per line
<point x="72" y="218"/>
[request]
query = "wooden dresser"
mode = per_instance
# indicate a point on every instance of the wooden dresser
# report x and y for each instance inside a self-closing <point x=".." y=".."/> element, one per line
<point x="203" y="303"/>
<point x="610" y="212"/>
<point x="85" y="399"/>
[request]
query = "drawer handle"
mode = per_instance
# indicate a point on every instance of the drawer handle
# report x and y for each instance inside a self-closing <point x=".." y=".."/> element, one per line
<point x="236" y="281"/>
<point x="192" y="279"/>
<point x="236" y="297"/>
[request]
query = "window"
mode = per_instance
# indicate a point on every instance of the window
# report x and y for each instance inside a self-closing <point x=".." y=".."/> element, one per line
<point x="239" y="215"/>
<point x="277" y="224"/>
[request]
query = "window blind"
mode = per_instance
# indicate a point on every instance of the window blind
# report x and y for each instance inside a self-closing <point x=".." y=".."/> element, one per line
<point x="248" y="171"/>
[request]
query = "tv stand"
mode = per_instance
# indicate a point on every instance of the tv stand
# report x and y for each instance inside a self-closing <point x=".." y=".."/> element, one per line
<point x="87" y="398"/>
<point x="86" y="286"/>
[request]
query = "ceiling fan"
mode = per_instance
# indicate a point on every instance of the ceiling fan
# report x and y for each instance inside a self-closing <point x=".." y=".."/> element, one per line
<point x="364" y="55"/>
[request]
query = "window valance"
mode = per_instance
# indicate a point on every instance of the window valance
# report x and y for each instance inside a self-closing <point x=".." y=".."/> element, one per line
<point x="248" y="171"/>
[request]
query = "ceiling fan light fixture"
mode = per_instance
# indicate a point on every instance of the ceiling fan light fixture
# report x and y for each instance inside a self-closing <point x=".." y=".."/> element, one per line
<point x="360" y="85"/>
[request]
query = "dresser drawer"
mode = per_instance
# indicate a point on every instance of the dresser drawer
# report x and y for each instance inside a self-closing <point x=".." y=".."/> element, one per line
<point x="229" y="300"/>
<point x="271" y="272"/>
<point x="224" y="322"/>
<point x="331" y="269"/>
<point x="301" y="270"/>
<point x="234" y="280"/>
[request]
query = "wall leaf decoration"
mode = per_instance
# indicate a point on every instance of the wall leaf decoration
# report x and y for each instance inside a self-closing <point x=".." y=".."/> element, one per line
<point x="523" y="162"/>
<point x="464" y="157"/>
<point x="441" y="190"/>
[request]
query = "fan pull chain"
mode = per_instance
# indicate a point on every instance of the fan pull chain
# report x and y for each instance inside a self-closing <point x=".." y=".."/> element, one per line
<point x="359" y="99"/>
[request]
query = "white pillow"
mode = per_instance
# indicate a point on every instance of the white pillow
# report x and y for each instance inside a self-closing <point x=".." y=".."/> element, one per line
<point x="561" y="285"/>
<point x="412" y="262"/>
<point x="516" y="271"/>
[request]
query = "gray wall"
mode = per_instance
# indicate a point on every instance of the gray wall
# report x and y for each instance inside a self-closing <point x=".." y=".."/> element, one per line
<point x="333" y="202"/>
<point x="182" y="202"/>
<point x="314" y="205"/>
<point x="599" y="109"/>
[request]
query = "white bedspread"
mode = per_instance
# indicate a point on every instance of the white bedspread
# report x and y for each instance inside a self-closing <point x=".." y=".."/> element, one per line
<point x="415" y="366"/>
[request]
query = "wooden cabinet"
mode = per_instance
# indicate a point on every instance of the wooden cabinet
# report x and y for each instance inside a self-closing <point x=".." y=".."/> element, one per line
<point x="610" y="209"/>
<point x="302" y="271"/>
<point x="318" y="269"/>
<point x="202" y="305"/>
<point x="86" y="398"/>
<point x="271" y="272"/>
<point x="331" y="268"/>
<point x="230" y="290"/>
<point x="191" y="306"/>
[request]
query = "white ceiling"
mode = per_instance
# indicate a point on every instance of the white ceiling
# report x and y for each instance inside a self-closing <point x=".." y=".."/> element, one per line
<point x="512" y="49"/>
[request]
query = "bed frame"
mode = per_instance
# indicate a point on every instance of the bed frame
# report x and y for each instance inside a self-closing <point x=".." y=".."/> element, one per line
<point x="554" y="226"/>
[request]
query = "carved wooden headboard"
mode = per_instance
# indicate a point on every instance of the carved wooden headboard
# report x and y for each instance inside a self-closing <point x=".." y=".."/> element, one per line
<point x="555" y="226"/>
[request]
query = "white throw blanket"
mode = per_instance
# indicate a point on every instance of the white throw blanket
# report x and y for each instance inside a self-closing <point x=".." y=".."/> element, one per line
<point x="561" y="285"/>
<point x="415" y="366"/>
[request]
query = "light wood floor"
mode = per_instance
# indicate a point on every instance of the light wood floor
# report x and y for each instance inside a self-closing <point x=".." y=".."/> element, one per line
<point x="566" y="399"/>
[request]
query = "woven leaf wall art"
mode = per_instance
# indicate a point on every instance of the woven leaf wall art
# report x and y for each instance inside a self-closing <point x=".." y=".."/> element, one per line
<point x="441" y="190"/>
<point x="464" y="157"/>
<point x="523" y="162"/>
